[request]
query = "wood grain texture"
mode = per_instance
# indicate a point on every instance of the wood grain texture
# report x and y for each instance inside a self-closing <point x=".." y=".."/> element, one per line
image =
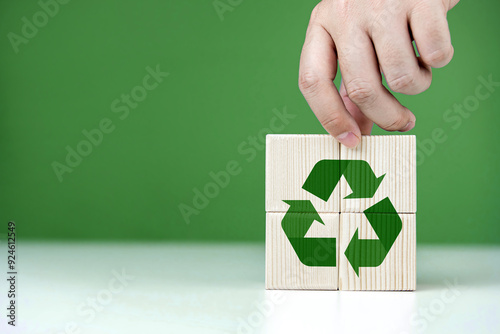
<point x="284" y="269"/>
<point x="397" y="272"/>
<point x="289" y="160"/>
<point x="394" y="156"/>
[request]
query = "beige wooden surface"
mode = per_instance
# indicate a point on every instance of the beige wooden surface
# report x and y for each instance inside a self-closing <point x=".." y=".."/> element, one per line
<point x="397" y="272"/>
<point x="289" y="160"/>
<point x="284" y="269"/>
<point x="394" y="156"/>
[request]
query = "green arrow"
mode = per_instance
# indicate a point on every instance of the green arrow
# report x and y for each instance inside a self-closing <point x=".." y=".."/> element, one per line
<point x="326" y="174"/>
<point x="361" y="178"/>
<point x="316" y="252"/>
<point x="372" y="252"/>
<point x="323" y="178"/>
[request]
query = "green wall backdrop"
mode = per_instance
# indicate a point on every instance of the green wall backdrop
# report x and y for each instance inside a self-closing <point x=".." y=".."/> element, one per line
<point x="225" y="78"/>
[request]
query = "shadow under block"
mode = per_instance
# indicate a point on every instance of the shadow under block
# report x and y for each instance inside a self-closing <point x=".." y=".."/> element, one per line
<point x="289" y="160"/>
<point x="398" y="269"/>
<point x="394" y="156"/>
<point x="284" y="268"/>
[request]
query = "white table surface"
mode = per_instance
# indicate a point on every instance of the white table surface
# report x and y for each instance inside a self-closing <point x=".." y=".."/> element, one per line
<point x="219" y="288"/>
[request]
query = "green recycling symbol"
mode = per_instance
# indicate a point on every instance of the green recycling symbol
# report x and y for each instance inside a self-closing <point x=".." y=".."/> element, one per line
<point x="321" y="182"/>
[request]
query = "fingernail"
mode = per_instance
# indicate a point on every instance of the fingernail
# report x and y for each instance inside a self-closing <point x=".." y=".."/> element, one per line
<point x="408" y="127"/>
<point x="348" y="139"/>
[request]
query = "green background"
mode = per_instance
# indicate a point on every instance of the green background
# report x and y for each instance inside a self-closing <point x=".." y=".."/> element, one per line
<point x="226" y="77"/>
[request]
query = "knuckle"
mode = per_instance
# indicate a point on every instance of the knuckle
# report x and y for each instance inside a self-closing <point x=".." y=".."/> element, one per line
<point x="360" y="91"/>
<point x="375" y="28"/>
<point x="424" y="6"/>
<point x="403" y="83"/>
<point x="395" y="124"/>
<point x="439" y="57"/>
<point x="333" y="121"/>
<point x="316" y="12"/>
<point x="308" y="81"/>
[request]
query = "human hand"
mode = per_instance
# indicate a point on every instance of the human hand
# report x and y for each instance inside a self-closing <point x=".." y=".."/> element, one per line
<point x="367" y="38"/>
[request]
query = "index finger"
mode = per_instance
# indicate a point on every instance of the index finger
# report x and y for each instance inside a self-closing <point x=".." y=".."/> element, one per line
<point x="318" y="68"/>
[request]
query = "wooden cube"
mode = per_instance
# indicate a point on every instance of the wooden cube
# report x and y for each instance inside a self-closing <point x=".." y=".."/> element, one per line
<point x="339" y="218"/>
<point x="393" y="161"/>
<point x="317" y="266"/>
<point x="396" y="271"/>
<point x="289" y="161"/>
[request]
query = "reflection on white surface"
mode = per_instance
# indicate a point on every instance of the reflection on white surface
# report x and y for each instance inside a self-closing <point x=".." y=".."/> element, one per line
<point x="193" y="288"/>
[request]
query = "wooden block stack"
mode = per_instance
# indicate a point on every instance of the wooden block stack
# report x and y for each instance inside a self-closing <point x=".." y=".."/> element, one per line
<point x="339" y="218"/>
